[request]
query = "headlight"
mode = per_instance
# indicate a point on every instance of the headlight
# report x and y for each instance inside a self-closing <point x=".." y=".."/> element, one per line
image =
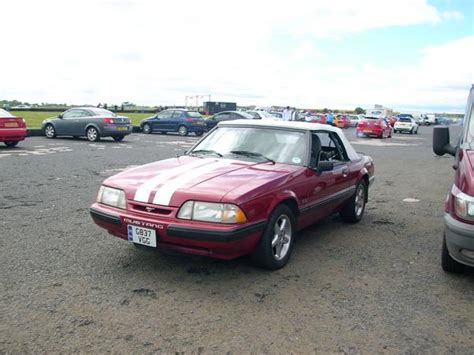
<point x="463" y="208"/>
<point x="463" y="205"/>
<point x="112" y="197"/>
<point x="212" y="212"/>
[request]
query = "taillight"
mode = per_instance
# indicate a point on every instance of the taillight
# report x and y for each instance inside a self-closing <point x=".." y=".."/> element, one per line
<point x="108" y="120"/>
<point x="361" y="123"/>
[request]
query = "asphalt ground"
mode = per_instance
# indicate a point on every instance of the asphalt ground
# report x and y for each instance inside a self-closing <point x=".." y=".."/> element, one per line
<point x="374" y="287"/>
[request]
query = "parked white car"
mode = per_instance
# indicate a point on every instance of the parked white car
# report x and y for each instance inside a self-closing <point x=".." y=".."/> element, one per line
<point x="355" y="119"/>
<point x="405" y="124"/>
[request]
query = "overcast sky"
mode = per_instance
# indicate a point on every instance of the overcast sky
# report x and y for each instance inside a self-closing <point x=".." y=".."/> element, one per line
<point x="405" y="54"/>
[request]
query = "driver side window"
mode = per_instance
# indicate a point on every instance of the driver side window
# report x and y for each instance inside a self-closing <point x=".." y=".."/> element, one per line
<point x="165" y="115"/>
<point x="71" y="114"/>
<point x="330" y="147"/>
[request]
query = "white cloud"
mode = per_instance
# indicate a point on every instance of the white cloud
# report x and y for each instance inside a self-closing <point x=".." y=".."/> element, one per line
<point x="452" y="15"/>
<point x="158" y="52"/>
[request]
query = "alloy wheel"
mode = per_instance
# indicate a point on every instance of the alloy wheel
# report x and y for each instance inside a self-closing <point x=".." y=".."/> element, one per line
<point x="281" y="237"/>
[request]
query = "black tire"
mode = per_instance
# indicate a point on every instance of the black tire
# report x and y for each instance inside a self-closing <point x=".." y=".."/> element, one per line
<point x="49" y="131"/>
<point x="92" y="134"/>
<point x="182" y="131"/>
<point x="199" y="133"/>
<point x="416" y="132"/>
<point x="353" y="211"/>
<point x="265" y="255"/>
<point x="447" y="262"/>
<point x="146" y="128"/>
<point x="118" y="138"/>
<point x="411" y="131"/>
<point x="11" y="144"/>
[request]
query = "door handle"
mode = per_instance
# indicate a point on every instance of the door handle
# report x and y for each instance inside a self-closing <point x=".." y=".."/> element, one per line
<point x="345" y="172"/>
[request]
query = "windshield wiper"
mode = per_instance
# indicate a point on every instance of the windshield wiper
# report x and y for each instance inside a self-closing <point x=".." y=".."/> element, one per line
<point x="206" y="151"/>
<point x="247" y="153"/>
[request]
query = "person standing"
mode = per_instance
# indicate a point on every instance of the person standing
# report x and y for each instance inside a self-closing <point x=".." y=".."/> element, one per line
<point x="330" y="118"/>
<point x="286" y="114"/>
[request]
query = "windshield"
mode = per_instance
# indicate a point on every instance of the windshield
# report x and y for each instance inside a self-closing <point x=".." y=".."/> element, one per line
<point x="405" y="119"/>
<point x="281" y="146"/>
<point x="253" y="114"/>
<point x="468" y="119"/>
<point x="4" y="113"/>
<point x="405" y="115"/>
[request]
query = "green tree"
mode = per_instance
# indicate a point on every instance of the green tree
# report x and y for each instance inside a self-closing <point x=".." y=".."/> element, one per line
<point x="359" y="110"/>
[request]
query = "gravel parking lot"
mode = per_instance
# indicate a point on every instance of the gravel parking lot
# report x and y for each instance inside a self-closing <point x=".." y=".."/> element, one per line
<point x="374" y="287"/>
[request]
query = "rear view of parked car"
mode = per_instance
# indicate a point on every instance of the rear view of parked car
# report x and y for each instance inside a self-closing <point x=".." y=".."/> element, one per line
<point x="458" y="242"/>
<point x="405" y="123"/>
<point x="374" y="126"/>
<point x="178" y="120"/>
<point x="12" y="129"/>
<point x="91" y="122"/>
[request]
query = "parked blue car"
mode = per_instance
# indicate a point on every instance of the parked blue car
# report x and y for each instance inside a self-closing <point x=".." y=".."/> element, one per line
<point x="175" y="120"/>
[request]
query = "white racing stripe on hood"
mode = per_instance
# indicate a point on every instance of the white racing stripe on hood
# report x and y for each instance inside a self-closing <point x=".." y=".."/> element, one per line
<point x="143" y="192"/>
<point x="164" y="193"/>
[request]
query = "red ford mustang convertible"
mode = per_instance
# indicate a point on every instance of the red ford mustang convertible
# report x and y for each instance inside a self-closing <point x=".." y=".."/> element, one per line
<point x="245" y="188"/>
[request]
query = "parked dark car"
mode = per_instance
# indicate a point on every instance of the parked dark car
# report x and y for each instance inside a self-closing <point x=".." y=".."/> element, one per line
<point x="212" y="121"/>
<point x="91" y="122"/>
<point x="458" y="240"/>
<point x="175" y="120"/>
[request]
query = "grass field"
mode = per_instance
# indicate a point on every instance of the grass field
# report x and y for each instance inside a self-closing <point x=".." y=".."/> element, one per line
<point x="33" y="118"/>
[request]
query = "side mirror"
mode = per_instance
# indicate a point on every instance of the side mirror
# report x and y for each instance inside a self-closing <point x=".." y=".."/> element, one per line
<point x="324" y="166"/>
<point x="441" y="143"/>
<point x="60" y="115"/>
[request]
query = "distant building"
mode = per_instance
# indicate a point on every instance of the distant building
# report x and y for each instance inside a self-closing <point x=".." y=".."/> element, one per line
<point x="211" y="107"/>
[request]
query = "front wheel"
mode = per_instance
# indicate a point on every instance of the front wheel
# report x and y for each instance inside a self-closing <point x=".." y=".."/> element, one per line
<point x="92" y="134"/>
<point x="447" y="262"/>
<point x="199" y="132"/>
<point x="182" y="131"/>
<point x="11" y="143"/>
<point x="354" y="209"/>
<point x="274" y="248"/>
<point x="118" y="138"/>
<point x="49" y="131"/>
<point x="146" y="128"/>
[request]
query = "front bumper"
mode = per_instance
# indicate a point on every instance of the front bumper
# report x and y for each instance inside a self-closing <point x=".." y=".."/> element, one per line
<point x="209" y="239"/>
<point x="403" y="129"/>
<point x="459" y="237"/>
<point x="12" y="134"/>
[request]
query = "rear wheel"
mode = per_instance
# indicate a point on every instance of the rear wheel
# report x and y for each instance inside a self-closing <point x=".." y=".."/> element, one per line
<point x="146" y="128"/>
<point x="182" y="131"/>
<point x="49" y="131"/>
<point x="92" y="134"/>
<point x="354" y="210"/>
<point x="274" y="248"/>
<point x="11" y="143"/>
<point x="447" y="262"/>
<point x="118" y="138"/>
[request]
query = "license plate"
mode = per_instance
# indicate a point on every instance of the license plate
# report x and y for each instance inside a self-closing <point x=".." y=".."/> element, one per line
<point x="11" y="124"/>
<point x="367" y="131"/>
<point x="122" y="128"/>
<point x="144" y="236"/>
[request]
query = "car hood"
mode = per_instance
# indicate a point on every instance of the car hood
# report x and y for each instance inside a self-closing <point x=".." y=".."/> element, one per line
<point x="173" y="181"/>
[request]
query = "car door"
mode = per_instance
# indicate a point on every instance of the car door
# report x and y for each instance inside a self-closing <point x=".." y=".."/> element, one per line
<point x="177" y="119"/>
<point x="65" y="124"/>
<point x="328" y="189"/>
<point x="162" y="122"/>
<point x="79" y="124"/>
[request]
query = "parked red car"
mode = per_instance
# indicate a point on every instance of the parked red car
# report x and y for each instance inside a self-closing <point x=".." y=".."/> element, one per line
<point x="12" y="129"/>
<point x="245" y="188"/>
<point x="458" y="241"/>
<point x="374" y="126"/>
<point x="391" y="120"/>
<point x="316" y="118"/>
<point x="342" y="121"/>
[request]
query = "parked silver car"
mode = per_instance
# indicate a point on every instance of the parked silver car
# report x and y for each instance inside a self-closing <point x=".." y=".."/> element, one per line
<point x="91" y="122"/>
